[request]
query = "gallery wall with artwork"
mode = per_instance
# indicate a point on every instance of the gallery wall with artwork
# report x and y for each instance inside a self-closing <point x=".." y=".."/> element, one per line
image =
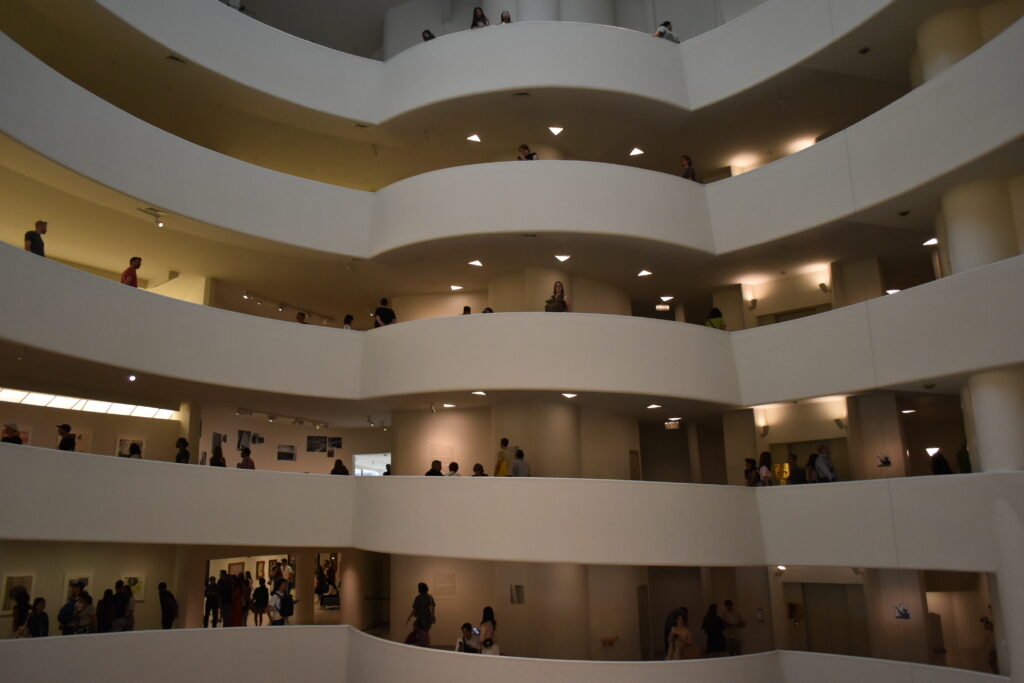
<point x="284" y="446"/>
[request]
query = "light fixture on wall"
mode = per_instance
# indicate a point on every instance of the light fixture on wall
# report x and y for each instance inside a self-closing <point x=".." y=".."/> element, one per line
<point x="823" y="286"/>
<point x="752" y="304"/>
<point x="839" y="423"/>
<point x="764" y="430"/>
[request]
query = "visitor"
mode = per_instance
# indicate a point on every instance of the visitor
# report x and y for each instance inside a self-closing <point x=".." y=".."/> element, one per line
<point x="688" y="171"/>
<point x="453" y="470"/>
<point x="67" y="439"/>
<point x="506" y="17"/>
<point x="714" y="627"/>
<point x="339" y="468"/>
<point x="182" y="456"/>
<point x="212" y="604"/>
<point x="346" y="324"/>
<point x="168" y="606"/>
<point x="520" y="468"/>
<point x="300" y="318"/>
<point x="764" y="470"/>
<point x="10" y="434"/>
<point x="670" y="623"/>
<point x="34" y="239"/>
<point x="424" y="610"/>
<point x="427" y="35"/>
<point x="246" y="462"/>
<point x="503" y="466"/>
<point x="750" y="475"/>
<point x="130" y="275"/>
<point x="38" y="622"/>
<point x="526" y="155"/>
<point x="260" y="601"/>
<point x="105" y="612"/>
<point x="435" y="469"/>
<point x="557" y="302"/>
<point x="466" y="310"/>
<point x="85" y="614"/>
<point x="796" y="473"/>
<point x="823" y="467"/>
<point x="478" y="470"/>
<point x="419" y="636"/>
<point x="940" y="465"/>
<point x="217" y="459"/>
<point x="281" y="605"/>
<point x="468" y="641"/>
<point x="21" y="610"/>
<point x="679" y="640"/>
<point x="715" y="319"/>
<point x="479" y="18"/>
<point x="488" y="310"/>
<point x="488" y="639"/>
<point x="734" y="625"/>
<point x="665" y="31"/>
<point x="384" y="316"/>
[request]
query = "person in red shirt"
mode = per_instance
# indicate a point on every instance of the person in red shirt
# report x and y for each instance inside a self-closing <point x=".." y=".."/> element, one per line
<point x="130" y="276"/>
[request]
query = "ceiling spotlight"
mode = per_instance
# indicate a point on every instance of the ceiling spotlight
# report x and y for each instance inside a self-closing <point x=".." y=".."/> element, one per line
<point x="479" y="393"/>
<point x="478" y="263"/>
<point x="271" y="418"/>
<point x="653" y="406"/>
<point x="569" y="395"/>
<point x="131" y="378"/>
<point x="447" y="405"/>
<point x="474" y="138"/>
<point x="930" y="243"/>
<point x="644" y="273"/>
<point x="555" y="130"/>
<point x="909" y="411"/>
<point x="456" y="288"/>
<point x="666" y="299"/>
<point x="636" y="152"/>
<point x="563" y="257"/>
<point x="891" y="291"/>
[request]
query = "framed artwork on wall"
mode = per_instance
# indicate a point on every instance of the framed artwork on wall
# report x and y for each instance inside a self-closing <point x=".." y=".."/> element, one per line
<point x="124" y="444"/>
<point x="261" y="569"/>
<point x="14" y="583"/>
<point x="80" y="576"/>
<point x="137" y="582"/>
<point x="236" y="568"/>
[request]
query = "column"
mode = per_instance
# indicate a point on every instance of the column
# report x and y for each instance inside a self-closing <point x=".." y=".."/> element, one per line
<point x="997" y="407"/>
<point x="979" y="224"/>
<point x="305" y="569"/>
<point x="945" y="39"/>
<point x="1009" y="537"/>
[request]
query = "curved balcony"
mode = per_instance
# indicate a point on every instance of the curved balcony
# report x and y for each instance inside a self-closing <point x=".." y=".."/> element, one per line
<point x="874" y="344"/>
<point x="875" y="524"/>
<point x="967" y="124"/>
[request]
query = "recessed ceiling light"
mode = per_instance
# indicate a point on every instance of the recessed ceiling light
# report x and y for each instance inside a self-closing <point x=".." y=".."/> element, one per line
<point x="474" y="138"/>
<point x="478" y="263"/>
<point x="667" y="298"/>
<point x="569" y="395"/>
<point x="930" y="243"/>
<point x="644" y="273"/>
<point x="131" y="378"/>
<point x="563" y="257"/>
<point x="653" y="406"/>
<point x="456" y="288"/>
<point x="891" y="291"/>
<point x="555" y="130"/>
<point x="674" y="419"/>
<point x="447" y="405"/>
<point x="636" y="152"/>
<point x="908" y="412"/>
<point x="662" y="307"/>
<point x="479" y="393"/>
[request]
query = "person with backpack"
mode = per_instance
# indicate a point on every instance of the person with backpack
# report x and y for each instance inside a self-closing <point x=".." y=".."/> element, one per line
<point x="282" y="604"/>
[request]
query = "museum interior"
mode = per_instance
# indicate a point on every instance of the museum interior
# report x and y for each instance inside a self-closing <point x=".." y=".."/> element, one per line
<point x="277" y="241"/>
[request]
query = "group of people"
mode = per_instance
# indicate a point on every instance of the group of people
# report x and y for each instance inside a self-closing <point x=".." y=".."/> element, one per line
<point x="114" y="612"/>
<point x="818" y="469"/>
<point x="511" y="462"/>
<point x="230" y="598"/>
<point x="480" y="639"/>
<point x="723" y="633"/>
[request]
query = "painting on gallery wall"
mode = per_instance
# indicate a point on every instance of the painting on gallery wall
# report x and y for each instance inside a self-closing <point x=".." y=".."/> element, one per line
<point x="137" y="582"/>
<point x="124" y="446"/>
<point x="81" y="576"/>
<point x="286" y="452"/>
<point x="14" y="583"/>
<point x="316" y="444"/>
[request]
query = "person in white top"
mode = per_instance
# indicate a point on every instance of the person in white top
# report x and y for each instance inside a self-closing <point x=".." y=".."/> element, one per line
<point x="665" y="31"/>
<point x="733" y="626"/>
<point x="453" y="470"/>
<point x="520" y="468"/>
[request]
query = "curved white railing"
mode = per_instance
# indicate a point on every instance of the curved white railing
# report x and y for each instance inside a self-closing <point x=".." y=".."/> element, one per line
<point x="918" y="523"/>
<point x="873" y="344"/>
<point x="963" y="121"/>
